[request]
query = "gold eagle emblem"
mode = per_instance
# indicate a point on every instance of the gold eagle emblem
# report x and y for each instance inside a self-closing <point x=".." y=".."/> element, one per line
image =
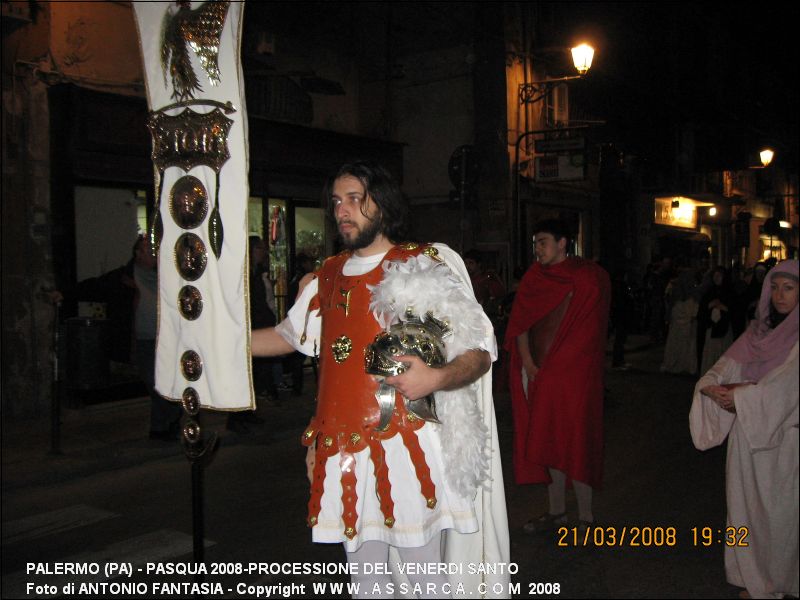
<point x="199" y="29"/>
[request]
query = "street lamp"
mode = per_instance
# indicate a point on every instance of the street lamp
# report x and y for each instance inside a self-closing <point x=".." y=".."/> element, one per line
<point x="582" y="57"/>
<point x="766" y="155"/>
<point x="772" y="226"/>
<point x="530" y="93"/>
<point x="534" y="91"/>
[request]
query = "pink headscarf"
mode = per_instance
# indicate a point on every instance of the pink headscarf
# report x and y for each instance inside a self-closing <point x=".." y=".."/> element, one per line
<point x="761" y="348"/>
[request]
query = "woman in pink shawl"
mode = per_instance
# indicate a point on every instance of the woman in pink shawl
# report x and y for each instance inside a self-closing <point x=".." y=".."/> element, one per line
<point x="750" y="396"/>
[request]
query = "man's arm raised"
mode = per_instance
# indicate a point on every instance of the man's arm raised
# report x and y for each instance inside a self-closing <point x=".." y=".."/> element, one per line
<point x="420" y="379"/>
<point x="268" y="342"/>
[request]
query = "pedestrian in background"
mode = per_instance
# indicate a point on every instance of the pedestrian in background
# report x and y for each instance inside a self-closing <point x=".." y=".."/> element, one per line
<point x="486" y="284"/>
<point x="622" y="311"/>
<point x="262" y="314"/>
<point x="164" y="415"/>
<point x="294" y="361"/>
<point x="750" y="397"/>
<point x="679" y="350"/>
<point x="741" y="282"/>
<point x="714" y="318"/>
<point x="753" y="293"/>
<point x="657" y="283"/>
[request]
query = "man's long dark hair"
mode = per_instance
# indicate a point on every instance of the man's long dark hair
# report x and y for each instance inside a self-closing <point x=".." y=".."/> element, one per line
<point x="383" y="189"/>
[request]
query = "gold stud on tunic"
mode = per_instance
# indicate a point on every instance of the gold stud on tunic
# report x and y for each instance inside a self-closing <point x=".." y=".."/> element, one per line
<point x="431" y="502"/>
<point x="355" y="438"/>
<point x="328" y="441"/>
<point x="350" y="533"/>
<point x="388" y="521"/>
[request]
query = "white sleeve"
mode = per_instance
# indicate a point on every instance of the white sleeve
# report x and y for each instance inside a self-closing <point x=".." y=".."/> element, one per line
<point x="299" y="320"/>
<point x="709" y="423"/>
<point x="768" y="410"/>
<point x="456" y="264"/>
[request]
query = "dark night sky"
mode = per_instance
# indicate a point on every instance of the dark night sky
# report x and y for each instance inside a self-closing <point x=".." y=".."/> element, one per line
<point x="724" y="69"/>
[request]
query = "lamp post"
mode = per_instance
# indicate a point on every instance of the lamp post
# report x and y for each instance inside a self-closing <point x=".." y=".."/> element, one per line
<point x="775" y="226"/>
<point x="771" y="226"/>
<point x="530" y="93"/>
<point x="534" y="91"/>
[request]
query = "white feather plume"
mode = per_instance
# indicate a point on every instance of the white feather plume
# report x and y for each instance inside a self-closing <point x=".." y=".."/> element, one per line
<point x="428" y="285"/>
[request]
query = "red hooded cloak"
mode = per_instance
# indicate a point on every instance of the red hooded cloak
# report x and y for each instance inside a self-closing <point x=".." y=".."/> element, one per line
<point x="560" y="423"/>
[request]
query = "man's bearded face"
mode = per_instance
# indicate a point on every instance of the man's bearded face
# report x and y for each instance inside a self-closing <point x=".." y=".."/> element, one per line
<point x="350" y="203"/>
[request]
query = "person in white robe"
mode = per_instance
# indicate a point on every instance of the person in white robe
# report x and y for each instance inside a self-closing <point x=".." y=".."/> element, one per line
<point x="750" y="396"/>
<point x="680" y="348"/>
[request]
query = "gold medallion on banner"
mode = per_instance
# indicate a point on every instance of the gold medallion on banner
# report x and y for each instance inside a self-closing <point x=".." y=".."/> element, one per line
<point x="190" y="256"/>
<point x="188" y="202"/>
<point x="190" y="401"/>
<point x="191" y="365"/>
<point x="190" y="302"/>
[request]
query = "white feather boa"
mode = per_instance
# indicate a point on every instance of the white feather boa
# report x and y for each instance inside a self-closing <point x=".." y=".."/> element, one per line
<point x="428" y="285"/>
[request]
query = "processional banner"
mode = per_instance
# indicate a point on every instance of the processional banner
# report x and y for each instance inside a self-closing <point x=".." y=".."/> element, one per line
<point x="198" y="123"/>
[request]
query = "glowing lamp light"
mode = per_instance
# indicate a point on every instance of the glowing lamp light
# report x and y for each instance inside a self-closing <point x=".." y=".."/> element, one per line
<point x="785" y="224"/>
<point x="712" y="211"/>
<point x="582" y="57"/>
<point x="766" y="156"/>
<point x="682" y="211"/>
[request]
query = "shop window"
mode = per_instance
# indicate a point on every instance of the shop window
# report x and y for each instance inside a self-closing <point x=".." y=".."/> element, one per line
<point x="141" y="211"/>
<point x="289" y="231"/>
<point x="309" y="233"/>
<point x="772" y="247"/>
<point x="556" y="109"/>
<point x="278" y="244"/>
<point x="255" y="216"/>
<point x="107" y="222"/>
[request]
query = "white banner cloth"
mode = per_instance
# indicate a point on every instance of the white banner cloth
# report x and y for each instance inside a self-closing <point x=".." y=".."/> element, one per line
<point x="220" y="334"/>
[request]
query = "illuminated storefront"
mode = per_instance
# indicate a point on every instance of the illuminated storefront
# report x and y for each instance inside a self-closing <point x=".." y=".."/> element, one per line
<point x="678" y="230"/>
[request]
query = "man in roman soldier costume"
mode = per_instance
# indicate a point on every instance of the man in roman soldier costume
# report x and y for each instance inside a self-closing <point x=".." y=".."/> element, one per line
<point x="403" y="451"/>
<point x="556" y="336"/>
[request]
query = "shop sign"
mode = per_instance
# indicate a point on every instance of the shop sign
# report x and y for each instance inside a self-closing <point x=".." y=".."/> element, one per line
<point x="561" y="167"/>
<point x="560" y="145"/>
<point x="683" y="215"/>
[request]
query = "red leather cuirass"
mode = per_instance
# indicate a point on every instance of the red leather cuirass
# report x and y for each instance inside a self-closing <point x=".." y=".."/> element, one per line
<point x="347" y="410"/>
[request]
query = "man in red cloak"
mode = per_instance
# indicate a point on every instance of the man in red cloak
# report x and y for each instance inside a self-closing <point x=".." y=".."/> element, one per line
<point x="557" y="337"/>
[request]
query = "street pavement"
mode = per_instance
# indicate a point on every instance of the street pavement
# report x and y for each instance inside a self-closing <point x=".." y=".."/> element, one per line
<point x="112" y="496"/>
